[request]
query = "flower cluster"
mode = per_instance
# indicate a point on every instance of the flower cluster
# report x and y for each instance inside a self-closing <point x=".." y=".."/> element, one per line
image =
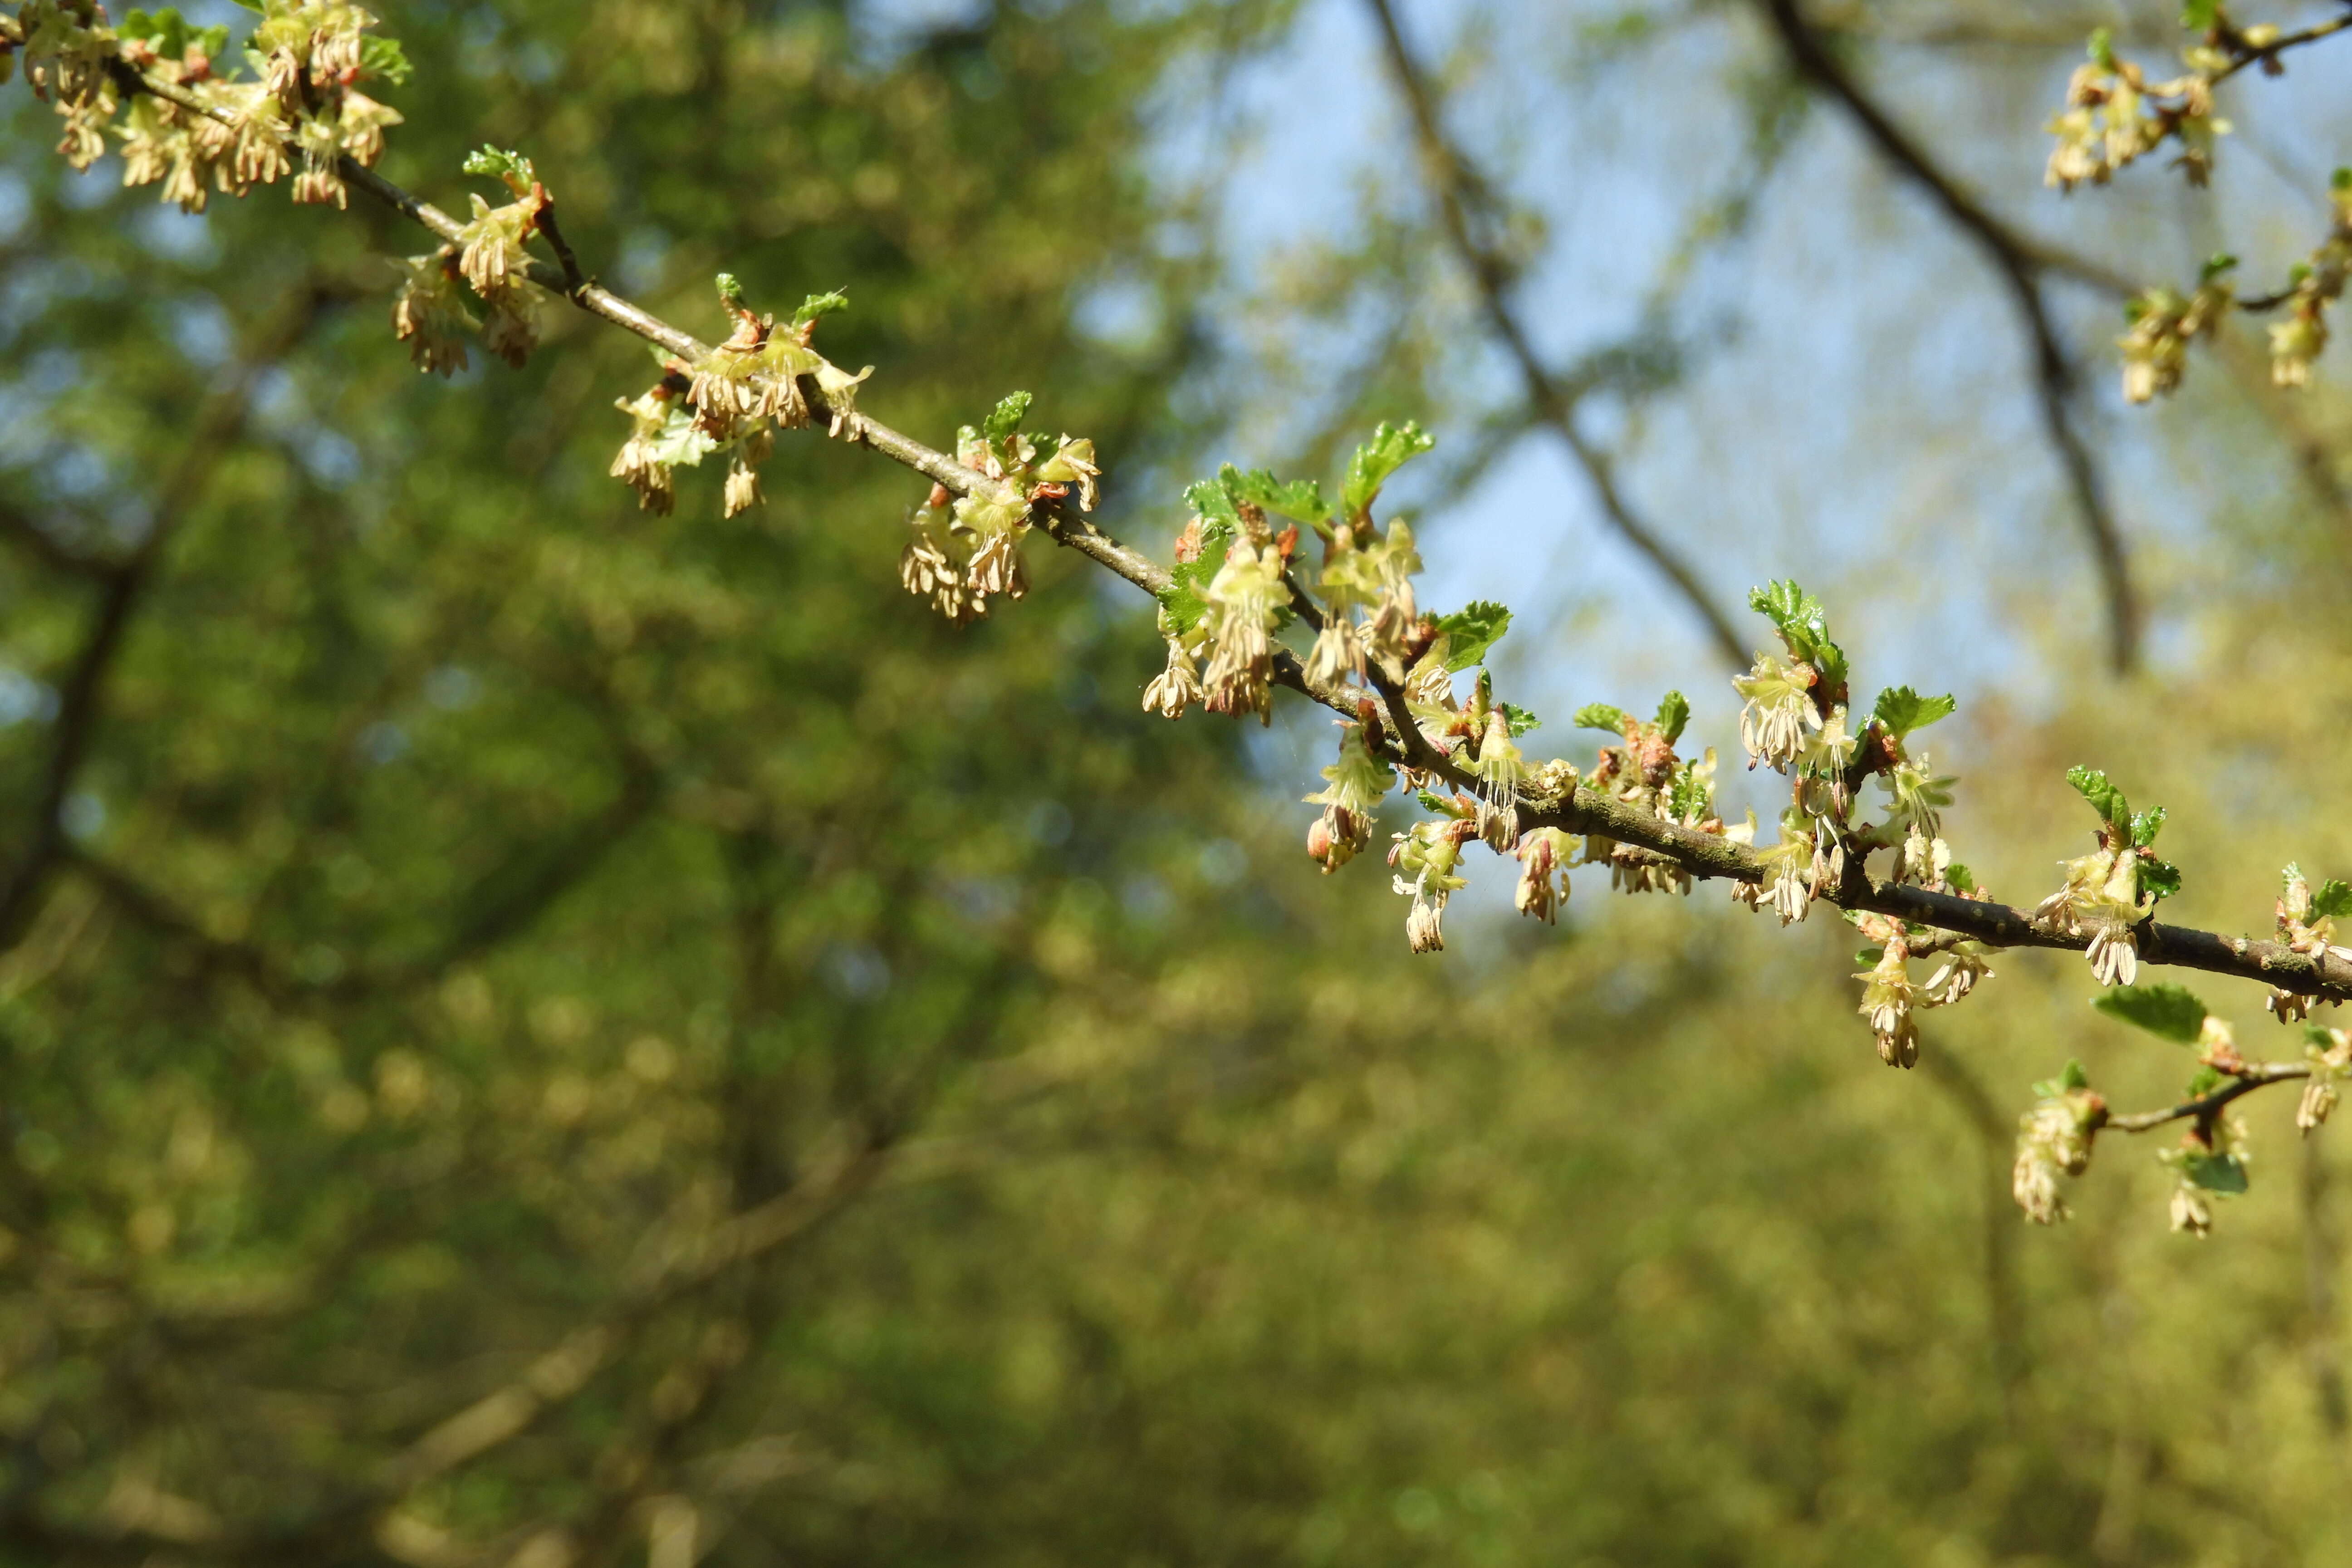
<point x="2111" y="893"/>
<point x="1353" y="788"/>
<point x="2313" y="286"/>
<point x="1644" y="771"/>
<point x="2329" y="1056"/>
<point x="2164" y="323"/>
<point x="2211" y="1163"/>
<point x="2054" y="1139"/>
<point x="732" y="401"/>
<point x="195" y="128"/>
<point x="967" y="547"/>
<point x="2113" y="115"/>
<point x="1425" y="858"/>
<point x="2307" y="924"/>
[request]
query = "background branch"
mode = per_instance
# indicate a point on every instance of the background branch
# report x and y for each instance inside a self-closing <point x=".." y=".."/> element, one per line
<point x="1457" y="189"/>
<point x="2020" y="263"/>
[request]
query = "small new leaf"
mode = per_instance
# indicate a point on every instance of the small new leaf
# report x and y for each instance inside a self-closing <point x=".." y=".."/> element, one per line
<point x="1005" y="418"/>
<point x="2104" y="799"/>
<point x="2160" y="877"/>
<point x="817" y="305"/>
<point x="2200" y="14"/>
<point x="1599" y="716"/>
<point x="499" y="164"/>
<point x="1520" y="720"/>
<point x="1391" y="448"/>
<point x="2146" y="825"/>
<point x="1802" y="626"/>
<point x="1220" y="522"/>
<point x="2072" y="1081"/>
<point x="1959" y="879"/>
<point x="730" y="293"/>
<point x="1183" y="604"/>
<point x="1868" y="957"/>
<point x="1298" y="499"/>
<point x="2215" y="1173"/>
<point x="682" y="441"/>
<point x="1901" y="710"/>
<point x="2203" y="1081"/>
<point x="1471" y="631"/>
<point x="378" y="57"/>
<point x="165" y="31"/>
<point x="1674" y="712"/>
<point x="2332" y="899"/>
<point x="2171" y="1011"/>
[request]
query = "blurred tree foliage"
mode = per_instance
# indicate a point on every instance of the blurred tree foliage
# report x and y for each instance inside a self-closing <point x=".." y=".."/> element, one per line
<point x="541" y="1046"/>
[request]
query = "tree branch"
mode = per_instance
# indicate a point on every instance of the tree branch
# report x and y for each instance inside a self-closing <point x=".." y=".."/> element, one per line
<point x="81" y="695"/>
<point x="1586" y="810"/>
<point x="2020" y="263"/>
<point x="2205" y="1106"/>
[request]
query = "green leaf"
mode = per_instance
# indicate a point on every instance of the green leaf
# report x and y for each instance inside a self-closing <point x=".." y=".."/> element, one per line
<point x="2172" y="1012"/>
<point x="2200" y="13"/>
<point x="2102" y="49"/>
<point x="2332" y="899"/>
<point x="1520" y="720"/>
<point x="499" y="164"/>
<point x="2203" y="1081"/>
<point x="1599" y="716"/>
<point x="1439" y="803"/>
<point x="378" y="57"/>
<point x="1673" y="713"/>
<point x="1471" y="631"/>
<point x="682" y="441"/>
<point x="1868" y="957"/>
<point x="165" y="31"/>
<point x="1959" y="878"/>
<point x="2073" y="1080"/>
<point x="817" y="305"/>
<point x="2146" y="825"/>
<point x="2314" y="1035"/>
<point x="1214" y="505"/>
<point x="1184" y="605"/>
<point x="1686" y="792"/>
<point x="1005" y="418"/>
<point x="2215" y="1173"/>
<point x="2161" y="878"/>
<point x="1802" y="626"/>
<point x="1391" y="448"/>
<point x="1901" y="710"/>
<point x="730" y="293"/>
<point x="2220" y="261"/>
<point x="1298" y="499"/>
<point x="2104" y="799"/>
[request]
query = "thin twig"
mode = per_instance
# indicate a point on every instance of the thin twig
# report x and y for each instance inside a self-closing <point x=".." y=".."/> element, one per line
<point x="2206" y="1106"/>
